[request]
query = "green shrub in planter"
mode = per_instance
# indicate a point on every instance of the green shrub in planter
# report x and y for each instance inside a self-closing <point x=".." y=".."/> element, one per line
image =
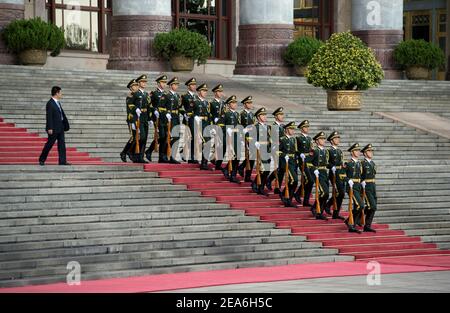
<point x="301" y="51"/>
<point x="419" y="53"/>
<point x="181" y="42"/>
<point x="33" y="34"/>
<point x="344" y="63"/>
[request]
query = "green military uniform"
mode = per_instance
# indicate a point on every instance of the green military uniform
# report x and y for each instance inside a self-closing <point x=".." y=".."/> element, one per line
<point x="263" y="140"/>
<point x="288" y="147"/>
<point x="305" y="146"/>
<point x="130" y="108"/>
<point x="336" y="161"/>
<point x="172" y="103"/>
<point x="232" y="138"/>
<point x="353" y="170"/>
<point x="218" y="109"/>
<point x="247" y="119"/>
<point x="202" y="117"/>
<point x="319" y="161"/>
<point x="188" y="103"/>
<point x="279" y="132"/>
<point x="142" y="101"/>
<point x="369" y="171"/>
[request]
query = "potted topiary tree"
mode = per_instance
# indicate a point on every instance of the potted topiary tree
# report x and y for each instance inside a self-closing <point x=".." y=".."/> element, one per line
<point x="300" y="52"/>
<point x="419" y="58"/>
<point x="182" y="48"/>
<point x="344" y="66"/>
<point x="31" y="39"/>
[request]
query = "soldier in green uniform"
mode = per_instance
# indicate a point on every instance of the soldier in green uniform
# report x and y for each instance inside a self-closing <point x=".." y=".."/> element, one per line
<point x="218" y="108"/>
<point x="133" y="86"/>
<point x="353" y="170"/>
<point x="262" y="145"/>
<point x="247" y="120"/>
<point x="231" y="121"/>
<point x="369" y="171"/>
<point x="188" y="101"/>
<point x="174" y="110"/>
<point x="202" y="118"/>
<point x="288" y="154"/>
<point x="305" y="146"/>
<point x="160" y="120"/>
<point x="277" y="127"/>
<point x="319" y="160"/>
<point x="336" y="173"/>
<point x="143" y="105"/>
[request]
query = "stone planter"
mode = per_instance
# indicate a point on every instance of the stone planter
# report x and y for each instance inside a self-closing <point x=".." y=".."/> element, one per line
<point x="182" y="64"/>
<point x="300" y="70"/>
<point x="344" y="100"/>
<point x="418" y="73"/>
<point x="33" y="57"/>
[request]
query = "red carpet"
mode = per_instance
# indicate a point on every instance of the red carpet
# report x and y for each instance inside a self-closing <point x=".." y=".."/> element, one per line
<point x="226" y="277"/>
<point x="13" y="140"/>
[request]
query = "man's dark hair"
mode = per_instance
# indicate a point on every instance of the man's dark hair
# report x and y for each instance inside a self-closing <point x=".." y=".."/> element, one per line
<point x="55" y="90"/>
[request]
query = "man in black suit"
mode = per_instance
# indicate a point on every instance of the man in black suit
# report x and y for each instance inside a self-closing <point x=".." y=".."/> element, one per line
<point x="57" y="124"/>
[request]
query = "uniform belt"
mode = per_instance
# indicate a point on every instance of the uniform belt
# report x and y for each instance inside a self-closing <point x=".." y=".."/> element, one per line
<point x="144" y="110"/>
<point x="190" y="113"/>
<point x="342" y="176"/>
<point x="369" y="181"/>
<point x="339" y="167"/>
<point x="264" y="142"/>
<point x="309" y="165"/>
<point x="292" y="155"/>
<point x="204" y="118"/>
<point x="174" y="112"/>
<point x="322" y="168"/>
<point x="221" y="125"/>
<point x="162" y="109"/>
<point x="356" y="180"/>
<point x="234" y="130"/>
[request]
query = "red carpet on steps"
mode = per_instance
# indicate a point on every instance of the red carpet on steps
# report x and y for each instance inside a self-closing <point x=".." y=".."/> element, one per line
<point x="385" y="244"/>
<point x="18" y="146"/>
<point x="179" y="281"/>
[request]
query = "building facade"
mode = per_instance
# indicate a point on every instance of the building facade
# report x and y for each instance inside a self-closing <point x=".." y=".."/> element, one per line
<point x="246" y="36"/>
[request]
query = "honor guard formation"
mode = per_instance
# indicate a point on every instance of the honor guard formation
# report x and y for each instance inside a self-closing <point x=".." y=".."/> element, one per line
<point x="243" y="143"/>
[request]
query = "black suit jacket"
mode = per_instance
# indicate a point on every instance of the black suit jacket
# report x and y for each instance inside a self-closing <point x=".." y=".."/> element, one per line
<point x="54" y="120"/>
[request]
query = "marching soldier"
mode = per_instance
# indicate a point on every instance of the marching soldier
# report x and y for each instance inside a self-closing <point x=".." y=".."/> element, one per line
<point x="319" y="162"/>
<point x="188" y="101"/>
<point x="247" y="119"/>
<point x="202" y="119"/>
<point x="337" y="175"/>
<point x="288" y="158"/>
<point x="133" y="86"/>
<point x="174" y="109"/>
<point x="278" y="128"/>
<point x="160" y="120"/>
<point x="218" y="108"/>
<point x="263" y="150"/>
<point x="143" y="104"/>
<point x="369" y="171"/>
<point x="353" y="170"/>
<point x="231" y="122"/>
<point x="305" y="145"/>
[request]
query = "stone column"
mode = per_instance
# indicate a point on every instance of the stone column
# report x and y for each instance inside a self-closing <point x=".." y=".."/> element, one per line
<point x="134" y="26"/>
<point x="379" y="23"/>
<point x="448" y="40"/>
<point x="265" y="29"/>
<point x="10" y="10"/>
<point x="342" y="15"/>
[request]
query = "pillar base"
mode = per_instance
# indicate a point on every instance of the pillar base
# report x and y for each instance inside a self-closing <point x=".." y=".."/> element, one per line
<point x="261" y="48"/>
<point x="383" y="42"/>
<point x="9" y="13"/>
<point x="132" y="42"/>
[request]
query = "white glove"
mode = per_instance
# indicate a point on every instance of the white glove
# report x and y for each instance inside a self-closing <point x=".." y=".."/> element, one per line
<point x="286" y="158"/>
<point x="150" y="124"/>
<point x="133" y="126"/>
<point x="303" y="157"/>
<point x="363" y="184"/>
<point x="216" y="120"/>
<point x="138" y="112"/>
<point x="316" y="172"/>
<point x="157" y="114"/>
<point x="169" y="117"/>
<point x="351" y="183"/>
<point x="333" y="169"/>
<point x="198" y="119"/>
<point x="186" y="117"/>
<point x="213" y="132"/>
<point x="257" y="145"/>
<point x="229" y="132"/>
<point x="246" y="131"/>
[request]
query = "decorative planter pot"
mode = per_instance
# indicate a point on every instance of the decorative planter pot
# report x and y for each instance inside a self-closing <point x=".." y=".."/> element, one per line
<point x="182" y="64"/>
<point x="418" y="73"/>
<point x="300" y="70"/>
<point x="33" y="57"/>
<point x="344" y="100"/>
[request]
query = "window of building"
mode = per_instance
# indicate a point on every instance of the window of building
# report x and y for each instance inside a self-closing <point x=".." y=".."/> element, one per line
<point x="86" y="23"/>
<point x="211" y="18"/>
<point x="313" y="18"/>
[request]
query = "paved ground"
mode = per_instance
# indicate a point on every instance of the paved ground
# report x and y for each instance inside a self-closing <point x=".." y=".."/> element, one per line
<point x="408" y="283"/>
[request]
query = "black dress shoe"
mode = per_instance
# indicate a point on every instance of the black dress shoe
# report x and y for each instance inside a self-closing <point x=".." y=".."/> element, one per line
<point x="226" y="173"/>
<point x="277" y="191"/>
<point x="307" y="204"/>
<point x="367" y="229"/>
<point x="123" y="157"/>
<point x="269" y="185"/>
<point x="321" y="217"/>
<point x="254" y="187"/>
<point x="233" y="179"/>
<point x="148" y="156"/>
<point x="173" y="161"/>
<point x="328" y="210"/>
<point x="338" y="217"/>
<point x="41" y="163"/>
<point x="354" y="230"/>
<point x="262" y="192"/>
<point x="241" y="172"/>
<point x="289" y="204"/>
<point x="297" y="198"/>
